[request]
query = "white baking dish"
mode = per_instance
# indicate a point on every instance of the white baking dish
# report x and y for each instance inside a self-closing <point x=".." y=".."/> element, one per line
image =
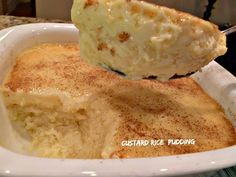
<point x="216" y="81"/>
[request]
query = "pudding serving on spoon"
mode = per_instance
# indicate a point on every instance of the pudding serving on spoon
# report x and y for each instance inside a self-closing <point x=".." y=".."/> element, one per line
<point x="140" y="39"/>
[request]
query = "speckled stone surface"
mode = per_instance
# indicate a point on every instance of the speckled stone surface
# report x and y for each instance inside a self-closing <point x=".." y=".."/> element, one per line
<point x="8" y="21"/>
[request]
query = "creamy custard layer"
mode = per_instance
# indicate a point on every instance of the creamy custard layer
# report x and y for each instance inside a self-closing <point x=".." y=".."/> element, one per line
<point x="67" y="108"/>
<point x="142" y="39"/>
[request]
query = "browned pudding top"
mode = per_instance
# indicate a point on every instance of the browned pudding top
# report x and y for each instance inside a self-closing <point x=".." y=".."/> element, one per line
<point x="57" y="66"/>
<point x="146" y="109"/>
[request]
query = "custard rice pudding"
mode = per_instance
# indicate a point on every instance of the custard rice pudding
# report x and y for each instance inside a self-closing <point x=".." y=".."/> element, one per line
<point x="67" y="108"/>
<point x="141" y="39"/>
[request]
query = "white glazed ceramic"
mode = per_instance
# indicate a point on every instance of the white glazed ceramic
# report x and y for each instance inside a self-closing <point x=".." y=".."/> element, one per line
<point x="16" y="39"/>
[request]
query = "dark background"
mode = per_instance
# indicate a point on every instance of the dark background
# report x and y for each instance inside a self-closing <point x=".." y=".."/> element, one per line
<point x="228" y="61"/>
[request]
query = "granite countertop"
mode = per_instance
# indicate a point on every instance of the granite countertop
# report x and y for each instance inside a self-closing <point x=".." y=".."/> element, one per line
<point x="8" y="21"/>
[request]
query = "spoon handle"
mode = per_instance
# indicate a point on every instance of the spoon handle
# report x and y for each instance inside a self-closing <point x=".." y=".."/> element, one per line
<point x="230" y="30"/>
